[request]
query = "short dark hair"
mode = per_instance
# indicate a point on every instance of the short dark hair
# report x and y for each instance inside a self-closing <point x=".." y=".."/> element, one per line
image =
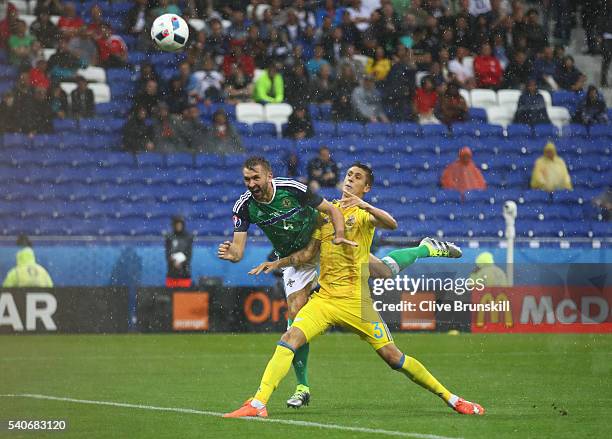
<point x="367" y="170"/>
<point x="253" y="161"/>
<point x="23" y="241"/>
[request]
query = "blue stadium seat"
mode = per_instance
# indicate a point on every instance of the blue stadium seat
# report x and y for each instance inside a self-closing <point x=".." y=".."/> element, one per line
<point x="478" y="114"/>
<point x="263" y="129"/>
<point x="324" y="129"/>
<point x="47" y="141"/>
<point x="12" y="140"/>
<point x="575" y="130"/>
<point x="63" y="125"/>
<point x="150" y="159"/>
<point x="518" y="131"/>
<point x="535" y="196"/>
<point x="402" y="129"/>
<point x="434" y="130"/>
<point x="350" y="129"/>
<point x="118" y="75"/>
<point x="179" y="160"/>
<point x="313" y="109"/>
<point x="378" y="130"/>
<point x="600" y="131"/>
<point x="545" y="130"/>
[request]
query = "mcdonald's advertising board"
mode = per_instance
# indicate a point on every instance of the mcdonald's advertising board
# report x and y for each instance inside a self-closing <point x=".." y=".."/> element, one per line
<point x="556" y="308"/>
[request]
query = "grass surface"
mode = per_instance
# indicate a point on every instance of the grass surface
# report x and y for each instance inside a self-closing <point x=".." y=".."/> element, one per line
<point x="531" y="385"/>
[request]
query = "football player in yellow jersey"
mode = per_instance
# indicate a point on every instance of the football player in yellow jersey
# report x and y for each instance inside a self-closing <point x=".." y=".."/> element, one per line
<point x="344" y="299"/>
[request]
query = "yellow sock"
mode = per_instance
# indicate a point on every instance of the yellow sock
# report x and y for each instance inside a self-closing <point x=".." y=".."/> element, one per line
<point x="413" y="369"/>
<point x="277" y="368"/>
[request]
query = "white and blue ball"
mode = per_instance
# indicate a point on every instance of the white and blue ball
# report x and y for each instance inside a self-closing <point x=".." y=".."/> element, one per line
<point x="170" y="32"/>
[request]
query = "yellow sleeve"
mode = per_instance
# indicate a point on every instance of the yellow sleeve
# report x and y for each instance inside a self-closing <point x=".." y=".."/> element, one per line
<point x="9" y="281"/>
<point x="317" y="233"/>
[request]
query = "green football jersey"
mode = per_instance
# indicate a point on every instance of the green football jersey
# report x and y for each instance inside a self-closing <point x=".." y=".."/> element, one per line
<point x="288" y="220"/>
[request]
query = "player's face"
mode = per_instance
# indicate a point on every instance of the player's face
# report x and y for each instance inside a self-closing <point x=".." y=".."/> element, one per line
<point x="258" y="181"/>
<point x="356" y="182"/>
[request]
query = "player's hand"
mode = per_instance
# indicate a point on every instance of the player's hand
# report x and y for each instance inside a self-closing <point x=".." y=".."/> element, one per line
<point x="350" y="200"/>
<point x="344" y="241"/>
<point x="224" y="251"/>
<point x="266" y="267"/>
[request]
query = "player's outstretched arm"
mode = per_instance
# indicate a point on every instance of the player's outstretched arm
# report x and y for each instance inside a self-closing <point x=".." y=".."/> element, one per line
<point x="293" y="260"/>
<point x="337" y="220"/>
<point x="378" y="217"/>
<point x="234" y="250"/>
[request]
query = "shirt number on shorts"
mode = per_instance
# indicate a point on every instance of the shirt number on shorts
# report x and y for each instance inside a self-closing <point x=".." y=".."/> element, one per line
<point x="378" y="330"/>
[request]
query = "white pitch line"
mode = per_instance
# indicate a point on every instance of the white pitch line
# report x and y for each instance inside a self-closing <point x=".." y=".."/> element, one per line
<point x="217" y="414"/>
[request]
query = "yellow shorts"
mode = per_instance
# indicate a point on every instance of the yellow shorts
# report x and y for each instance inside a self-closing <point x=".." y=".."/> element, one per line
<point x="321" y="313"/>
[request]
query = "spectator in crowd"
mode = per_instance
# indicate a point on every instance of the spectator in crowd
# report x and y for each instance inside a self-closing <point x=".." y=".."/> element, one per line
<point x="500" y="51"/>
<point x="242" y="60"/>
<point x="545" y="68"/>
<point x="137" y="134"/>
<point x="63" y="64"/>
<point x="322" y="170"/>
<point x="53" y="7"/>
<point x="167" y="131"/>
<point x="550" y="172"/>
<point x="534" y="32"/>
<point x="452" y="106"/>
<point x="568" y="76"/>
<point x="592" y="108"/>
<point x="38" y="75"/>
<point x="8" y="25"/>
<point x="96" y="24"/>
<point x="270" y="86"/>
<point x="166" y="7"/>
<point x="604" y="202"/>
<point x="136" y="23"/>
<point x="317" y="61"/>
<point x="321" y="86"/>
<point x="58" y="101"/>
<point x="463" y="68"/>
<point x="84" y="47"/>
<point x="297" y="86"/>
<point x="112" y="50"/>
<point x="176" y="97"/>
<point x="238" y="87"/>
<point x="531" y="108"/>
<point x="463" y="175"/>
<point x="19" y="45"/>
<point x="291" y="160"/>
<point x="206" y="85"/>
<point x="193" y="132"/>
<point x="149" y="97"/>
<point x="368" y="101"/>
<point x="605" y="29"/>
<point x="82" y="99"/>
<point x="488" y="272"/>
<point x="223" y="138"/>
<point x="425" y="100"/>
<point x="356" y="65"/>
<point x="39" y="114"/>
<point x="44" y="30"/>
<point x="379" y="66"/>
<point x="400" y="85"/>
<point x="179" y="248"/>
<point x="27" y="273"/>
<point x="9" y="117"/>
<point x="299" y="125"/>
<point x="147" y="73"/>
<point x="488" y="70"/>
<point x="70" y="23"/>
<point x="518" y="72"/>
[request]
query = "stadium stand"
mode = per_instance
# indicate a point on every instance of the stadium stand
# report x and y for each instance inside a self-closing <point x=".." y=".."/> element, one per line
<point x="78" y="181"/>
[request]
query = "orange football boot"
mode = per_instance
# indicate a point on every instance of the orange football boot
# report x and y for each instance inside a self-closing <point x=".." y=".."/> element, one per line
<point x="468" y="408"/>
<point x="247" y="410"/>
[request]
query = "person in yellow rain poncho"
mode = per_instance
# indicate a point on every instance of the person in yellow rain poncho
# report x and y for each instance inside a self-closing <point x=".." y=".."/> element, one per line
<point x="27" y="273"/>
<point x="550" y="172"/>
<point x="486" y="269"/>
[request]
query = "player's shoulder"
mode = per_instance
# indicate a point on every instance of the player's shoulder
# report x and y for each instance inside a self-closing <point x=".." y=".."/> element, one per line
<point x="242" y="202"/>
<point x="290" y="184"/>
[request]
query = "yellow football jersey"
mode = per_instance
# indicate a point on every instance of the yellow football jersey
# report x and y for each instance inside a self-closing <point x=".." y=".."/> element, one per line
<point x="344" y="269"/>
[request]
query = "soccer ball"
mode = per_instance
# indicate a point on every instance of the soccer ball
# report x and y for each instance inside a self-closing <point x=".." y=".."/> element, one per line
<point x="170" y="32"/>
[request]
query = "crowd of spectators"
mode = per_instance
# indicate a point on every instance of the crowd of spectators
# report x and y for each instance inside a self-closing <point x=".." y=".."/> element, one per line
<point x="372" y="60"/>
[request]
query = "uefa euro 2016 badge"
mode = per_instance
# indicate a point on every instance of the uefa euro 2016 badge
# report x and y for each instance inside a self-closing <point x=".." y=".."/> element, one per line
<point x="286" y="203"/>
<point x="350" y="221"/>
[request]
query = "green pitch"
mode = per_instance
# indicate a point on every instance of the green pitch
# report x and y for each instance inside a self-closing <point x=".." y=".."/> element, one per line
<point x="535" y="386"/>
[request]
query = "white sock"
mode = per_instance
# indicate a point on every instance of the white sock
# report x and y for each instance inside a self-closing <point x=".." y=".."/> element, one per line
<point x="453" y="400"/>
<point x="390" y="262"/>
<point x="257" y="404"/>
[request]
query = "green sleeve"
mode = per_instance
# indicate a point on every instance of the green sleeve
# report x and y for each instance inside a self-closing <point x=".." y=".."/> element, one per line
<point x="279" y="88"/>
<point x="260" y="93"/>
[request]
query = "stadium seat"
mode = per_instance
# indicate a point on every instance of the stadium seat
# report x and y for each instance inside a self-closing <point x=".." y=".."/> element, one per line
<point x="559" y="116"/>
<point x="518" y="131"/>
<point x="93" y="74"/>
<point x="250" y="112"/>
<point x="508" y="97"/>
<point x="545" y="131"/>
<point x="405" y="129"/>
<point x="478" y="114"/>
<point x="379" y="129"/>
<point x="278" y="114"/>
<point x="150" y="159"/>
<point x="179" y="160"/>
<point x="547" y="97"/>
<point x="497" y="115"/>
<point x="483" y="98"/>
<point x="466" y="95"/>
<point x="324" y="129"/>
<point x="600" y="131"/>
<point x="434" y="130"/>
<point x="575" y="130"/>
<point x="263" y="129"/>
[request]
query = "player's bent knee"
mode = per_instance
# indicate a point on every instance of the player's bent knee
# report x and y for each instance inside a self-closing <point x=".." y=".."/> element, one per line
<point x="294" y="337"/>
<point x="392" y="356"/>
